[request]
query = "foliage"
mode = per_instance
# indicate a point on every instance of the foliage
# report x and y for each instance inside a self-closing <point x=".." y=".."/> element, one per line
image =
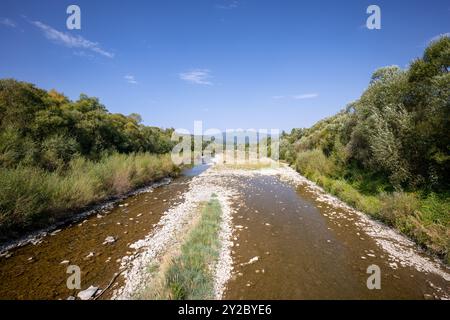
<point x="388" y="153"/>
<point x="189" y="276"/>
<point x="399" y="127"/>
<point x="57" y="155"/>
<point x="31" y="196"/>
<point x="46" y="129"/>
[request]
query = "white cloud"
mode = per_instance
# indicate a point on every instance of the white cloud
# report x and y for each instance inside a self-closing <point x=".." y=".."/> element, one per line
<point x="305" y="96"/>
<point x="8" y="22"/>
<point x="298" y="96"/>
<point x="198" y="76"/>
<point x="71" y="41"/>
<point x="228" y="5"/>
<point x="130" y="79"/>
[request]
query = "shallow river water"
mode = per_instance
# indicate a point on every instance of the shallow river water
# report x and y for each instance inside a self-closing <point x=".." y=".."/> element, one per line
<point x="287" y="245"/>
<point x="309" y="250"/>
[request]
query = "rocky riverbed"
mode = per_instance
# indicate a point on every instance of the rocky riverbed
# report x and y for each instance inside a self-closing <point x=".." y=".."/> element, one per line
<point x="282" y="237"/>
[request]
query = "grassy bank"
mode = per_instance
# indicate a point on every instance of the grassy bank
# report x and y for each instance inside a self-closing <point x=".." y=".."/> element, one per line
<point x="31" y="197"/>
<point x="188" y="275"/>
<point x="424" y="217"/>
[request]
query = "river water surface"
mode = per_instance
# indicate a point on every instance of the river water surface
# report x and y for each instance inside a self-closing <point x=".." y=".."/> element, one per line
<point x="309" y="250"/>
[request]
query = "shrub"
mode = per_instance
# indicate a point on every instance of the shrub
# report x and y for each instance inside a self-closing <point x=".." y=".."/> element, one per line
<point x="398" y="206"/>
<point x="314" y="161"/>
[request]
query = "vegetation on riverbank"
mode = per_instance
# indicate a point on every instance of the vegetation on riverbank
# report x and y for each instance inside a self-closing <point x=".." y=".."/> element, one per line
<point x="189" y="274"/>
<point x="32" y="197"/>
<point x="387" y="154"/>
<point x="58" y="156"/>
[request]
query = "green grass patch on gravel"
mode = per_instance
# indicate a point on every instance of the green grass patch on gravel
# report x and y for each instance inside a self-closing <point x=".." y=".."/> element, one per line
<point x="189" y="275"/>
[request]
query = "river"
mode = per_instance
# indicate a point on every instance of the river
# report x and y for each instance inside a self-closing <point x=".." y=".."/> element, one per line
<point x="289" y="241"/>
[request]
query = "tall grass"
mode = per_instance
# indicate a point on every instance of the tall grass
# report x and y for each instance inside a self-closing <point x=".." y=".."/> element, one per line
<point x="31" y="197"/>
<point x="188" y="275"/>
<point x="423" y="217"/>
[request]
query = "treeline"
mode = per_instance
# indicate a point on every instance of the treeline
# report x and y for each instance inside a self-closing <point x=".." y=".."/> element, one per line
<point x="47" y="130"/>
<point x="388" y="153"/>
<point x="58" y="156"/>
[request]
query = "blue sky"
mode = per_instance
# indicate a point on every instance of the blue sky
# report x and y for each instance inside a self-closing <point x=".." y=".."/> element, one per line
<point x="232" y="64"/>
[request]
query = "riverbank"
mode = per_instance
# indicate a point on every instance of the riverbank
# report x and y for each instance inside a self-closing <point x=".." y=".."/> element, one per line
<point x="422" y="217"/>
<point x="37" y="236"/>
<point x="32" y="199"/>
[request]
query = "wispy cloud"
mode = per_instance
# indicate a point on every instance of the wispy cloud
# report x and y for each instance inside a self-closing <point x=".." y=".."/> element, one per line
<point x="71" y="41"/>
<point x="130" y="79"/>
<point x="198" y="76"/>
<point x="8" y="22"/>
<point x="298" y="96"/>
<point x="305" y="96"/>
<point x="227" y="5"/>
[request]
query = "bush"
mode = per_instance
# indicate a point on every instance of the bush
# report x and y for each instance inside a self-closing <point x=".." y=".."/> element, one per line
<point x="314" y="161"/>
<point x="398" y="206"/>
<point x="395" y="137"/>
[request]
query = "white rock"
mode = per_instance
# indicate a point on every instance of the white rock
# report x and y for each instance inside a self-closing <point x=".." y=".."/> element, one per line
<point x="109" y="240"/>
<point x="252" y="260"/>
<point x="55" y="232"/>
<point x="88" y="293"/>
